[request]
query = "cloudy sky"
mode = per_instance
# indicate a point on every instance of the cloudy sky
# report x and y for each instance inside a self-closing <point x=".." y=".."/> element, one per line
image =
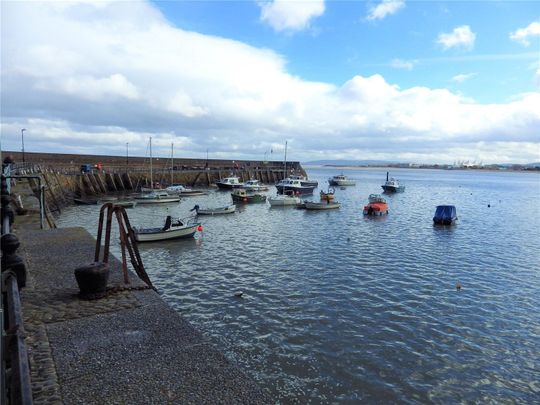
<point x="419" y="81"/>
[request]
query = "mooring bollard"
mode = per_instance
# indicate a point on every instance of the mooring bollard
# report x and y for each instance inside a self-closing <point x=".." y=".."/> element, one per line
<point x="92" y="280"/>
<point x="12" y="261"/>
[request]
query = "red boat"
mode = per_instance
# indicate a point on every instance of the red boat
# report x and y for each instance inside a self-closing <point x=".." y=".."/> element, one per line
<point x="377" y="206"/>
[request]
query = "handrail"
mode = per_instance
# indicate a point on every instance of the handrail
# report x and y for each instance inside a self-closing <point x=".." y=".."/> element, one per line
<point x="20" y="388"/>
<point x="15" y="370"/>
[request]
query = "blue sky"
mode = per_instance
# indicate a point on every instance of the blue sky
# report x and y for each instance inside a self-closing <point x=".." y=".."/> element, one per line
<point x="342" y="43"/>
<point x="393" y="79"/>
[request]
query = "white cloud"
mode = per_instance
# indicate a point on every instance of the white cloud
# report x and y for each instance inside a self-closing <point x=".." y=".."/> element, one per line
<point x="460" y="37"/>
<point x="403" y="64"/>
<point x="463" y="77"/>
<point x="523" y="34"/>
<point x="385" y="8"/>
<point x="91" y="90"/>
<point x="290" y="15"/>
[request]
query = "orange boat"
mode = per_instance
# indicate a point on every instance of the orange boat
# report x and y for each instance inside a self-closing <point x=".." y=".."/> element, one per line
<point x="377" y="206"/>
<point x="329" y="196"/>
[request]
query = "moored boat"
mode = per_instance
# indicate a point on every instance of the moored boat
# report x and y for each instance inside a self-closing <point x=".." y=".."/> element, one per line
<point x="327" y="205"/>
<point x="284" y="200"/>
<point x="341" y="180"/>
<point x="255" y="185"/>
<point x="240" y="195"/>
<point x="85" y="201"/>
<point x="328" y="196"/>
<point x="228" y="209"/>
<point x="156" y="198"/>
<point x="445" y="215"/>
<point x="294" y="186"/>
<point x="392" y="185"/>
<point x="229" y="183"/>
<point x="377" y="206"/>
<point x="125" y="204"/>
<point x="173" y="229"/>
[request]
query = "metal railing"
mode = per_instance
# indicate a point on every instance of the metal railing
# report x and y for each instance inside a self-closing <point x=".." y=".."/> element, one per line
<point x="15" y="371"/>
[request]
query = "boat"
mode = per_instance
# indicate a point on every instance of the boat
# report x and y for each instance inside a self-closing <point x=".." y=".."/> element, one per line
<point x="240" y="195"/>
<point x="173" y="229"/>
<point x="327" y="205"/>
<point x="156" y="197"/>
<point x="377" y="206"/>
<point x="229" y="183"/>
<point x="328" y="196"/>
<point x="283" y="200"/>
<point x="255" y="185"/>
<point x="229" y="209"/>
<point x="181" y="190"/>
<point x="392" y="185"/>
<point x="445" y="215"/>
<point x="125" y="204"/>
<point x="341" y="180"/>
<point x="84" y="201"/>
<point x="295" y="186"/>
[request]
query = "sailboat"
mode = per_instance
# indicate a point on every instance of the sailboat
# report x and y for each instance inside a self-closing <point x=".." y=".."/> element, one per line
<point x="152" y="196"/>
<point x="287" y="198"/>
<point x="177" y="188"/>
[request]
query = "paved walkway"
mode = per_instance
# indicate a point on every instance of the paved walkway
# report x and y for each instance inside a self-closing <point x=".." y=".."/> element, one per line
<point x="127" y="348"/>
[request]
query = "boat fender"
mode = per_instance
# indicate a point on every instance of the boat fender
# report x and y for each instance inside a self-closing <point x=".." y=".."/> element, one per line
<point x="200" y="228"/>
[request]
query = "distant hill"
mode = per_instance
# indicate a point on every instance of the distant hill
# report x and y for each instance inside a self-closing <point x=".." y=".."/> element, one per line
<point x="347" y="162"/>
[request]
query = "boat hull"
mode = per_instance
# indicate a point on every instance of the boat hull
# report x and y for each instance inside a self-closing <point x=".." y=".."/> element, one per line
<point x="228" y="186"/>
<point x="157" y="200"/>
<point x="342" y="182"/>
<point x="322" y="205"/>
<point x="393" y="189"/>
<point x="248" y="199"/>
<point x="156" y="234"/>
<point x="217" y="211"/>
<point x="286" y="201"/>
<point x="304" y="190"/>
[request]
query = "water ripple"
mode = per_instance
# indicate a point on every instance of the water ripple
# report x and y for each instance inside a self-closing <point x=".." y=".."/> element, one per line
<point x="342" y="308"/>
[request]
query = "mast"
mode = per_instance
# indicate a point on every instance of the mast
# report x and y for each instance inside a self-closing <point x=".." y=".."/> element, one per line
<point x="151" y="176"/>
<point x="172" y="162"/>
<point x="285" y="163"/>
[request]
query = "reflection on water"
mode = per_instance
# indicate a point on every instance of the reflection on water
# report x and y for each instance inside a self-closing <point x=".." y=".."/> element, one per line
<point x="340" y="307"/>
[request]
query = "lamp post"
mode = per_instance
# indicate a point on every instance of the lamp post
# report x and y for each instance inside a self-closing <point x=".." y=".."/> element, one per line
<point x="127" y="154"/>
<point x="22" y="141"/>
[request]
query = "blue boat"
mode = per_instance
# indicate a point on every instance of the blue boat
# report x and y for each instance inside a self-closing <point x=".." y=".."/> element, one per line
<point x="445" y="215"/>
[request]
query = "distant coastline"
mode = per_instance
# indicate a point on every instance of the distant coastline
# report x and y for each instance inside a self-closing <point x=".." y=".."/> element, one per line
<point x="532" y="167"/>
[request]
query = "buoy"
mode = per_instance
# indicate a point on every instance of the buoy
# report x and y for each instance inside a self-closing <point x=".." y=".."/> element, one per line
<point x="489" y="205"/>
<point x="238" y="294"/>
<point x="458" y="286"/>
<point x="200" y="228"/>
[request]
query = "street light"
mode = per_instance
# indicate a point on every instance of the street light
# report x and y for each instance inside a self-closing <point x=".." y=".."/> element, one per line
<point x="22" y="140"/>
<point x="127" y="154"/>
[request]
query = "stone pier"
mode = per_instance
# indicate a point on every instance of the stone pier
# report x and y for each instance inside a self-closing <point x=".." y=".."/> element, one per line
<point x="127" y="348"/>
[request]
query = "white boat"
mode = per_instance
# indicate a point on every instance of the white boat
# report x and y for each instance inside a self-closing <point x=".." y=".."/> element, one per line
<point x="255" y="185"/>
<point x="341" y="180"/>
<point x="327" y="205"/>
<point x="392" y="185"/>
<point x="156" y="197"/>
<point x="284" y="200"/>
<point x="229" y="183"/>
<point x="181" y="190"/>
<point x="229" y="209"/>
<point x="176" y="189"/>
<point x="171" y="230"/>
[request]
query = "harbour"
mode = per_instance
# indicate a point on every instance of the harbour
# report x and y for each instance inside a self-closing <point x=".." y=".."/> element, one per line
<point x="338" y="306"/>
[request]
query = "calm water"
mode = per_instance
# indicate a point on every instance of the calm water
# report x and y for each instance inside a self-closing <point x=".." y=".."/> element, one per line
<point x="342" y="308"/>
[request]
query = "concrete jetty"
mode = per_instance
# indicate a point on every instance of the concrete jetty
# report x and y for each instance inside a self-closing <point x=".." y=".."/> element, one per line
<point x="127" y="348"/>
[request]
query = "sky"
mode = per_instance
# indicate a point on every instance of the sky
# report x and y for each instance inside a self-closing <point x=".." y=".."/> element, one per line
<point x="398" y="80"/>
